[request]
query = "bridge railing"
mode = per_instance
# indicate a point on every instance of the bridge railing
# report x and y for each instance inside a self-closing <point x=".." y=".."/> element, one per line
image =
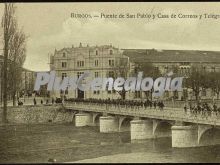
<point x="167" y="112"/>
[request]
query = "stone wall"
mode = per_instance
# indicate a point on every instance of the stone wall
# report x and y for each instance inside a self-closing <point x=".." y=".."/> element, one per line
<point x="38" y="114"/>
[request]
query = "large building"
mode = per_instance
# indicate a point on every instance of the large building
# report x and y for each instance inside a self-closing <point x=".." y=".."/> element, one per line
<point x="102" y="61"/>
<point x="183" y="60"/>
<point x="27" y="82"/>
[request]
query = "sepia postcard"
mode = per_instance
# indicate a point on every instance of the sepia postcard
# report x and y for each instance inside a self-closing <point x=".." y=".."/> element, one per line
<point x="110" y="82"/>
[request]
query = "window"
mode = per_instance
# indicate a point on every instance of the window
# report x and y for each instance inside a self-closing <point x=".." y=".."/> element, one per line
<point x="96" y="62"/>
<point x="80" y="63"/>
<point x="63" y="64"/>
<point x="63" y="75"/>
<point x="96" y="74"/>
<point x="96" y="52"/>
<point x="111" y="62"/>
<point x="96" y="92"/>
<point x="66" y="91"/>
<point x="64" y="54"/>
<point x="111" y="52"/>
<point x="166" y="68"/>
<point x="79" y="74"/>
<point x="111" y="74"/>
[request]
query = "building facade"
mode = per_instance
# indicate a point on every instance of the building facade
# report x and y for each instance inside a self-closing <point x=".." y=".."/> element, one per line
<point x="27" y="82"/>
<point x="102" y="61"/>
<point x="183" y="60"/>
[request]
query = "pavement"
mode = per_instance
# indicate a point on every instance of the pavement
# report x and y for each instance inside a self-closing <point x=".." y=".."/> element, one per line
<point x="29" y="101"/>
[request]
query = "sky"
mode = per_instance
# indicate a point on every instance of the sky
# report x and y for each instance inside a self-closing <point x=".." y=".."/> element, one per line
<point x="49" y="26"/>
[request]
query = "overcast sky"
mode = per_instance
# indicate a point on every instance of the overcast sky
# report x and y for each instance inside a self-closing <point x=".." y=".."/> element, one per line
<point x="50" y="26"/>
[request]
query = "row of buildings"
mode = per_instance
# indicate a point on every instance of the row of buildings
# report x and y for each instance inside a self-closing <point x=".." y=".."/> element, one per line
<point x="109" y="61"/>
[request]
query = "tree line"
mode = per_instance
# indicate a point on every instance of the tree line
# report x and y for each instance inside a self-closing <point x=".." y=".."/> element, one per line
<point x="197" y="79"/>
<point x="14" y="54"/>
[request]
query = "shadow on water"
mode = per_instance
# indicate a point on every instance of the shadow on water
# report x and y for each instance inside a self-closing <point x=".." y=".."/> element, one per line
<point x="66" y="143"/>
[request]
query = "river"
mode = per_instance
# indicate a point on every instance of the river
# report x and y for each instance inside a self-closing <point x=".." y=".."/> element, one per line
<point x="67" y="143"/>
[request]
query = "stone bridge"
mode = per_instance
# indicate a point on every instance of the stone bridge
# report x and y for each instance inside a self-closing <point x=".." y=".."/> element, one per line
<point x="186" y="130"/>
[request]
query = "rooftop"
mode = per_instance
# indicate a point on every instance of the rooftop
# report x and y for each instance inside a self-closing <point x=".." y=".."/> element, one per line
<point x="153" y="55"/>
<point x="81" y="46"/>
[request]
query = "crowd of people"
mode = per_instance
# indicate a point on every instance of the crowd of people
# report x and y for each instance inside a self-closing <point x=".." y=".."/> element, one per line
<point x="203" y="109"/>
<point x="127" y="103"/>
<point x="42" y="101"/>
<point x="46" y="102"/>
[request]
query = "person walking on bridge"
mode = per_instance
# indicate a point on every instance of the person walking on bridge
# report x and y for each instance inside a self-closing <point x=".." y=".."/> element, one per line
<point x="155" y="104"/>
<point x="35" y="102"/>
<point x="161" y="105"/>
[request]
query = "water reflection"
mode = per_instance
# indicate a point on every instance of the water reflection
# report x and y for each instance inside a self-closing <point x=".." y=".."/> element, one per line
<point x="66" y="143"/>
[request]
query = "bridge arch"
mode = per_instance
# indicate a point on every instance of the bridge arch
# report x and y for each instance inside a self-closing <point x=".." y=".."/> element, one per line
<point x="74" y="114"/>
<point x="162" y="128"/>
<point x="95" y="118"/>
<point x="124" y="123"/>
<point x="208" y="135"/>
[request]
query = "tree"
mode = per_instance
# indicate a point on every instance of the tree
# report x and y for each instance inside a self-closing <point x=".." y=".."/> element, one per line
<point x="120" y="70"/>
<point x="176" y="73"/>
<point x="8" y="24"/>
<point x="214" y="82"/>
<point x="197" y="80"/>
<point x="148" y="71"/>
<point x="17" y="57"/>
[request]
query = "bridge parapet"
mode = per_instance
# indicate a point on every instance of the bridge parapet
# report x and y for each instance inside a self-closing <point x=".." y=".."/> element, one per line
<point x="174" y="114"/>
